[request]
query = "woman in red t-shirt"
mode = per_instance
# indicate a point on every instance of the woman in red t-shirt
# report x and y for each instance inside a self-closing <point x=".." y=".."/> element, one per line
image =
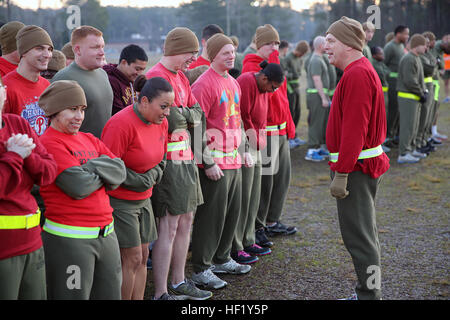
<point x="138" y="134"/>
<point x="23" y="162"/>
<point x="81" y="249"/>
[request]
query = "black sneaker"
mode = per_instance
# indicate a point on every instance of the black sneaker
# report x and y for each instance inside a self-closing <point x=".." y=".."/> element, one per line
<point x="261" y="238"/>
<point x="243" y="257"/>
<point x="256" y="250"/>
<point x="280" y="229"/>
<point x="435" y="142"/>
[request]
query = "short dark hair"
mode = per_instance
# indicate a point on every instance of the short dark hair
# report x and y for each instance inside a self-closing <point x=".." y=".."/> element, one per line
<point x="283" y="44"/>
<point x="151" y="88"/>
<point x="375" y="50"/>
<point x="210" y="30"/>
<point x="132" y="52"/>
<point x="400" y="29"/>
<point x="273" y="71"/>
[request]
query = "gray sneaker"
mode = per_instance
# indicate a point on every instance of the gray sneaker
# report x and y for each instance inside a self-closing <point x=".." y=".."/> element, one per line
<point x="208" y="280"/>
<point x="231" y="267"/>
<point x="188" y="291"/>
<point x="166" y="296"/>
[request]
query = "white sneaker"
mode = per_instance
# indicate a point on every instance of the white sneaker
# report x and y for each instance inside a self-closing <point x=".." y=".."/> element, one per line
<point x="231" y="267"/>
<point x="418" y="154"/>
<point x="407" y="158"/>
<point x="440" y="136"/>
<point x="208" y="280"/>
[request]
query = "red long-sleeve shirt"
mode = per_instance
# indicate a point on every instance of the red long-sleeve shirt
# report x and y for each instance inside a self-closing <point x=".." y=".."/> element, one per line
<point x="279" y="104"/>
<point x="357" y="120"/>
<point x="254" y="107"/>
<point x="17" y="177"/>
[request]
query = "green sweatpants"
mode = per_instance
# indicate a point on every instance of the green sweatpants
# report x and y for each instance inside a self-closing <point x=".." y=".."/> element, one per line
<point x="82" y="269"/>
<point x="317" y="120"/>
<point x="392" y="109"/>
<point x="23" y="277"/>
<point x="294" y="106"/>
<point x="275" y="179"/>
<point x="425" y="117"/>
<point x="215" y="221"/>
<point x="357" y="222"/>
<point x="409" y="111"/>
<point x="251" y="194"/>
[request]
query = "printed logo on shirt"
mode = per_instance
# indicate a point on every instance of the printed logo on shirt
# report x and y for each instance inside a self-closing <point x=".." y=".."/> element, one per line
<point x="130" y="96"/>
<point x="232" y="104"/>
<point x="83" y="156"/>
<point x="35" y="116"/>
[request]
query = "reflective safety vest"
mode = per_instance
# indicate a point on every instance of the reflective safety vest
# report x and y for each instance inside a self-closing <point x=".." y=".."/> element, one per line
<point x="446" y="61"/>
<point x="365" y="154"/>
<point x="20" y="222"/>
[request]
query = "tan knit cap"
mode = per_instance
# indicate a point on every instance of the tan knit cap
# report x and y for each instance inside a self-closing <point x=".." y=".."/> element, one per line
<point x="215" y="44"/>
<point x="31" y="36"/>
<point x="60" y="95"/>
<point x="417" y="40"/>
<point x="266" y="34"/>
<point x="302" y="47"/>
<point x="180" y="40"/>
<point x="57" y="62"/>
<point x="8" y="34"/>
<point x="349" y="32"/>
<point x="67" y="50"/>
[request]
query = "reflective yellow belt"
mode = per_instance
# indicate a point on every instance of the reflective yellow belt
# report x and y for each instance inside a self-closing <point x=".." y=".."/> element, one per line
<point x="289" y="87"/>
<point x="177" y="146"/>
<point x="365" y="154"/>
<point x="276" y="127"/>
<point x="20" y="222"/>
<point x="393" y="74"/>
<point x="408" y="95"/>
<point x="64" y="230"/>
<point x="428" y="79"/>
<point x="385" y="89"/>
<point x="325" y="90"/>
<point x="436" y="89"/>
<point x="221" y="154"/>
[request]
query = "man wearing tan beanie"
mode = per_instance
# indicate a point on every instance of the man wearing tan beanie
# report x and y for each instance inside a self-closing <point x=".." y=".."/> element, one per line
<point x="57" y="62"/>
<point x="355" y="131"/>
<point x="25" y="84"/>
<point x="10" y="57"/>
<point x="219" y="96"/>
<point x="412" y="93"/>
<point x="293" y="64"/>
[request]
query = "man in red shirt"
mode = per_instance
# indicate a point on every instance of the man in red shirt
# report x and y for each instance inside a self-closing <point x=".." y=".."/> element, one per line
<point x="10" y="57"/>
<point x="355" y="131"/>
<point x="215" y="221"/>
<point x="207" y="33"/>
<point x="25" y="84"/>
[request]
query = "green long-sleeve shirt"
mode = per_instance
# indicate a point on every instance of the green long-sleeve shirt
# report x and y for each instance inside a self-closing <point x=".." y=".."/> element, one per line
<point x="393" y="52"/>
<point x="410" y="75"/>
<point x="382" y="71"/>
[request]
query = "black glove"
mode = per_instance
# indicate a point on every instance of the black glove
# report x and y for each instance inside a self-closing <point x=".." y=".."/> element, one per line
<point x="424" y="97"/>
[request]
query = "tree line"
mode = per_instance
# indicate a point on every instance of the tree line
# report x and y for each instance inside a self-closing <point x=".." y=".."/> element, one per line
<point x="236" y="17"/>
